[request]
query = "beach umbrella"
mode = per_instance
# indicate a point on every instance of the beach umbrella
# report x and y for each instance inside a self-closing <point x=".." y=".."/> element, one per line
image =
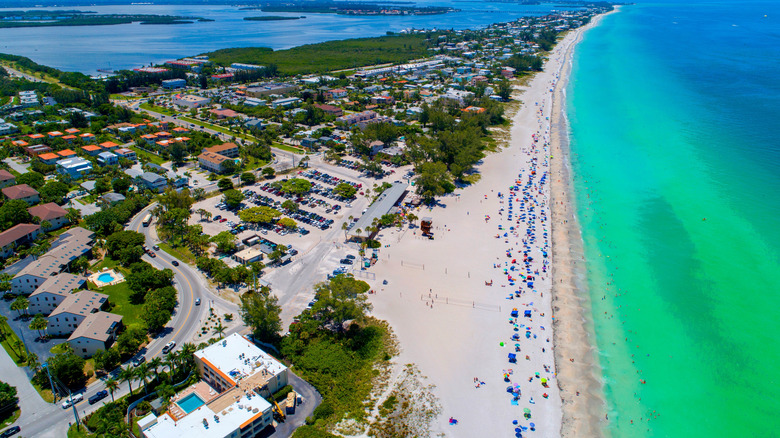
<point x="526" y="410"/>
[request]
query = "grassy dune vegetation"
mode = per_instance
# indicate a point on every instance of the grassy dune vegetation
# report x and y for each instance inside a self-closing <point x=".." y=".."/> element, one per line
<point x="331" y="55"/>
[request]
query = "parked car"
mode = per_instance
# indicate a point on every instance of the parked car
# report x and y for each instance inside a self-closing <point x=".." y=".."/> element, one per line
<point x="138" y="361"/>
<point x="10" y="431"/>
<point x="168" y="347"/>
<point x="350" y="256"/>
<point x="100" y="395"/>
<point x="73" y="399"/>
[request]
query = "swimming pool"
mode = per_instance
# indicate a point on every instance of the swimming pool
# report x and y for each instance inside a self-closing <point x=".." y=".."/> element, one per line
<point x="190" y="402"/>
<point x="106" y="278"/>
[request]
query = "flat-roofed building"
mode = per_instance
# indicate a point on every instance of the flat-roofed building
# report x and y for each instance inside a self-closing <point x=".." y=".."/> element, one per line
<point x="383" y="205"/>
<point x="96" y="332"/>
<point x="190" y="101"/>
<point x="229" y="401"/>
<point x="127" y="154"/>
<point x="53" y="291"/>
<point x="248" y="255"/>
<point x="264" y="90"/>
<point x="229" y="150"/>
<point x="66" y="317"/>
<point x="107" y="159"/>
<point x="75" y="167"/>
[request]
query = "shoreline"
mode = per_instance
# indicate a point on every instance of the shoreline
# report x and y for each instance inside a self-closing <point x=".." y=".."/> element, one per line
<point x="449" y="299"/>
<point x="576" y="356"/>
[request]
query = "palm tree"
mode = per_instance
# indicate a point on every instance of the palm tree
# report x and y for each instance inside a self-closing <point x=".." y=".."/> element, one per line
<point x="5" y="282"/>
<point x="170" y="361"/>
<point x="3" y="322"/>
<point x="33" y="362"/>
<point x="412" y="218"/>
<point x="219" y="329"/>
<point x="127" y="375"/>
<point x="155" y="365"/>
<point x="20" y="304"/>
<point x="142" y="373"/>
<point x="111" y="386"/>
<point x="39" y="323"/>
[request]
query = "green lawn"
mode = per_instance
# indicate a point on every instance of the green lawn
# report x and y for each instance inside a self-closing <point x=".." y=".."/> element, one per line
<point x="10" y="342"/>
<point x="46" y="394"/>
<point x="287" y="148"/>
<point x="153" y="158"/>
<point x="158" y="109"/>
<point x="180" y="252"/>
<point x="8" y="419"/>
<point x="119" y="296"/>
<point x="107" y="262"/>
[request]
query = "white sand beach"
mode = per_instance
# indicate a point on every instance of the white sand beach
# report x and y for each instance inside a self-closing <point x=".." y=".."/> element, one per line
<point x="449" y="321"/>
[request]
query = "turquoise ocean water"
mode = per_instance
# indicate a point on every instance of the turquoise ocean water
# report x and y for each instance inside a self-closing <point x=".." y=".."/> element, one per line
<point x="674" y="112"/>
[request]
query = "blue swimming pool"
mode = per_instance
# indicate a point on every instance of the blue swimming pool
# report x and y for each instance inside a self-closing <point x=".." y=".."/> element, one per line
<point x="190" y="402"/>
<point x="106" y="278"/>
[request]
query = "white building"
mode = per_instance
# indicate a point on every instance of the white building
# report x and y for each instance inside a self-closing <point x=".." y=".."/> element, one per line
<point x="190" y="101"/>
<point x="229" y="401"/>
<point x="72" y="244"/>
<point x="53" y="292"/>
<point x="97" y="332"/>
<point x="76" y="167"/>
<point x="73" y="310"/>
<point x="174" y="83"/>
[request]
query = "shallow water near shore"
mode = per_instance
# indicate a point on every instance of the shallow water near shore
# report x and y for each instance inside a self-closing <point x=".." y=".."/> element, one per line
<point x="673" y="114"/>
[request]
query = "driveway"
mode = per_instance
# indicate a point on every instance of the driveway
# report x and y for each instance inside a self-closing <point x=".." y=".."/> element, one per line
<point x="310" y="400"/>
<point x="85" y="209"/>
<point x="16" y="165"/>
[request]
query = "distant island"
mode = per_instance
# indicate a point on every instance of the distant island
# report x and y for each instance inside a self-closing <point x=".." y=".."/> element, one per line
<point x="272" y="18"/>
<point x="350" y="8"/>
<point x="43" y="18"/>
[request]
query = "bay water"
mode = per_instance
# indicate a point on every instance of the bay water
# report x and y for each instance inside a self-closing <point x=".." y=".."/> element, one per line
<point x="674" y="112"/>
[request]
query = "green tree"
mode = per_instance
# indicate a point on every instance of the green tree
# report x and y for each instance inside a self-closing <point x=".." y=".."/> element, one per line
<point x="9" y="401"/>
<point x="5" y="282"/>
<point x="296" y="186"/>
<point x="342" y="299"/>
<point x="81" y="264"/>
<point x="32" y="179"/>
<point x="260" y="311"/>
<point x="129" y="340"/>
<point x="504" y="89"/>
<point x="20" y="304"/>
<point x="68" y="368"/>
<point x="268" y="172"/>
<point x="290" y="205"/>
<point x="39" y="324"/>
<point x="102" y="185"/>
<point x="259" y="215"/>
<point x="434" y="181"/>
<point x="226" y="241"/>
<point x="121" y="185"/>
<point x="106" y="360"/>
<point x="287" y="223"/>
<point x="111" y="385"/>
<point x="73" y="216"/>
<point x="225" y="184"/>
<point x="14" y="212"/>
<point x="127" y="375"/>
<point x="125" y="246"/>
<point x="53" y="191"/>
<point x="219" y="329"/>
<point x="248" y="178"/>
<point x="232" y="198"/>
<point x="345" y="190"/>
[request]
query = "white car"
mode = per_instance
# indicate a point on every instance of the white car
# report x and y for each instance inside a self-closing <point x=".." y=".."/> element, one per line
<point x="75" y="398"/>
<point x="168" y="347"/>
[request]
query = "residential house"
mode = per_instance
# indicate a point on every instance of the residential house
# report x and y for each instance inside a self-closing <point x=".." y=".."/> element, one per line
<point x="66" y="317"/>
<point x="127" y="154"/>
<point x="107" y="159"/>
<point x="51" y="213"/>
<point x="330" y="109"/>
<point x="37" y="149"/>
<point x="17" y="235"/>
<point x="67" y="153"/>
<point x="76" y="167"/>
<point x="96" y="332"/>
<point x="152" y="181"/>
<point x="112" y="198"/>
<point x="49" y="158"/>
<point x="53" y="291"/>
<point x="382" y="100"/>
<point x="70" y="245"/>
<point x="6" y="178"/>
<point x="92" y="149"/>
<point x="109" y="145"/>
<point x="212" y="161"/>
<point x="376" y="146"/>
<point x="223" y="113"/>
<point x="23" y="192"/>
<point x="337" y="93"/>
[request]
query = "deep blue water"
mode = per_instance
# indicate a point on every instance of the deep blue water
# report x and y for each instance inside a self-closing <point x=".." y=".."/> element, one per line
<point x="674" y="113"/>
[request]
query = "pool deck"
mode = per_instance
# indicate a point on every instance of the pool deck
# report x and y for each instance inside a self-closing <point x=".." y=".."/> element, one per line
<point x="95" y="278"/>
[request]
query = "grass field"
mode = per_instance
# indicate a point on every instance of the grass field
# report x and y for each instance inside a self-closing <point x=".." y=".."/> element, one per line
<point x="10" y="342"/>
<point x="153" y="158"/>
<point x="158" y="109"/>
<point x="179" y="252"/>
<point x="119" y="296"/>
